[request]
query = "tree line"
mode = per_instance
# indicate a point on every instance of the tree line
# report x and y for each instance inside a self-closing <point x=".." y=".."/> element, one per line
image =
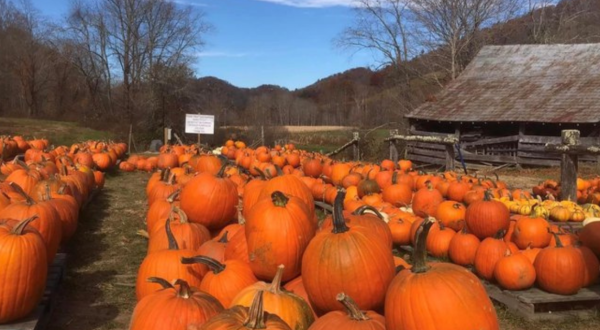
<point x="112" y="63"/>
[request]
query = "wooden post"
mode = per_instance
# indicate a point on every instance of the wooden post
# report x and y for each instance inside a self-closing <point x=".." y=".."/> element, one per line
<point x="198" y="140"/>
<point x="262" y="135"/>
<point x="450" y="155"/>
<point x="393" y="147"/>
<point x="568" y="166"/>
<point x="130" y="137"/>
<point x="355" y="146"/>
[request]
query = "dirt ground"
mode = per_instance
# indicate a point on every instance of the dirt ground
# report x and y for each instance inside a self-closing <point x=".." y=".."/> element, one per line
<point x="99" y="290"/>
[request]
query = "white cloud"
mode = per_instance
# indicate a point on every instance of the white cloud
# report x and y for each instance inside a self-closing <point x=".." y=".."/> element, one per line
<point x="193" y="3"/>
<point x="314" y="3"/>
<point x="222" y="54"/>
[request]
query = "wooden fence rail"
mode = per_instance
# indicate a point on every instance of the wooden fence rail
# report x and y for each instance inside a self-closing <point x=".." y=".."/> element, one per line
<point x="355" y="147"/>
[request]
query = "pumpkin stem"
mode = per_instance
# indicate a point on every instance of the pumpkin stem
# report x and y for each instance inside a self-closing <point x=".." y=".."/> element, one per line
<point x="172" y="241"/>
<point x="211" y="263"/>
<point x="184" y="289"/>
<point x="161" y="281"/>
<point x="261" y="174"/>
<point x="275" y="286"/>
<point x="339" y="223"/>
<point x="22" y="192"/>
<point x="224" y="238"/>
<point x="182" y="216"/>
<point x="256" y="315"/>
<point x="173" y="196"/>
<point x="351" y="307"/>
<point x="221" y="172"/>
<point x="420" y="252"/>
<point x="394" y="177"/>
<point x="487" y="195"/>
<point x="278" y="170"/>
<point x="18" y="229"/>
<point x="279" y="199"/>
<point x="500" y="234"/>
<point x="361" y="211"/>
<point x="559" y="244"/>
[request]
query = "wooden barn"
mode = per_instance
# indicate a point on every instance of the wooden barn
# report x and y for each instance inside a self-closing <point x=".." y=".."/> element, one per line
<point x="512" y="100"/>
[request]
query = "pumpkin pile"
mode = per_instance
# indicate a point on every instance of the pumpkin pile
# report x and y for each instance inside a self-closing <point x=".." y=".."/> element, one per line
<point x="239" y="236"/>
<point x="40" y="201"/>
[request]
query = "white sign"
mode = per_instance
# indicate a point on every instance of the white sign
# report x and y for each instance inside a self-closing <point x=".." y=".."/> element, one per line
<point x="199" y="124"/>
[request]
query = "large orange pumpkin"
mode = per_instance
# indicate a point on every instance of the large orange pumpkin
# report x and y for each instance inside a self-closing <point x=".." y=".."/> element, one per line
<point x="485" y="218"/>
<point x="278" y="230"/>
<point x="347" y="252"/>
<point x="426" y="201"/>
<point x="419" y="298"/>
<point x="560" y="269"/>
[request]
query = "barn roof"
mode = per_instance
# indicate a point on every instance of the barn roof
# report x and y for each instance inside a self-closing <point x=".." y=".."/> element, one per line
<point x="523" y="83"/>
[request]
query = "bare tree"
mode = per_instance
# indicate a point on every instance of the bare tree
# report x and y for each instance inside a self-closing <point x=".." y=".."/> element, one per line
<point x="450" y="27"/>
<point x="381" y="26"/>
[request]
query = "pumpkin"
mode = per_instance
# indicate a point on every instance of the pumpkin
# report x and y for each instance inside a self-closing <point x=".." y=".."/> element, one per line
<point x="560" y="269"/>
<point x="451" y="214"/>
<point x="592" y="266"/>
<point x="290" y="185"/>
<point x="438" y="242"/>
<point x="166" y="264"/>
<point x="489" y="252"/>
<point x="252" y="191"/>
<point x="366" y="216"/>
<point x="313" y="168"/>
<point x="560" y="213"/>
<point x="240" y="317"/>
<point x="463" y="248"/>
<point x="419" y="298"/>
<point x="48" y="223"/>
<point x="347" y="252"/>
<point x="189" y="235"/>
<point x="367" y="187"/>
<point x="485" y="218"/>
<point x="291" y="308"/>
<point x="339" y="172"/>
<point x="531" y="254"/>
<point x="397" y="194"/>
<point x="457" y="190"/>
<point x="400" y="229"/>
<point x="24" y="269"/>
<point x="514" y="271"/>
<point x="353" y="318"/>
<point x="426" y="201"/>
<point x="278" y="231"/>
<point x="210" y="200"/>
<point x="297" y="286"/>
<point x="590" y="236"/>
<point x="225" y="279"/>
<point x="531" y="231"/>
<point x="174" y="308"/>
<point x="159" y="211"/>
<point x="237" y="247"/>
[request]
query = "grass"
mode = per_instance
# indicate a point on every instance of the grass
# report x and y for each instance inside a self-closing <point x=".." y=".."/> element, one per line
<point x="58" y="132"/>
<point x="103" y="258"/>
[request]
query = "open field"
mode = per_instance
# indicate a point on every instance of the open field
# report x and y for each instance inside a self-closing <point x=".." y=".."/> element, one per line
<point x="58" y="132"/>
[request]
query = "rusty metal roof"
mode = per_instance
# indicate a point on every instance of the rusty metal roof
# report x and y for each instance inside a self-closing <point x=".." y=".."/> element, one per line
<point x="523" y="83"/>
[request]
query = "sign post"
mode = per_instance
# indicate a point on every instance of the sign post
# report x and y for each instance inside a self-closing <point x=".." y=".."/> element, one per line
<point x="199" y="124"/>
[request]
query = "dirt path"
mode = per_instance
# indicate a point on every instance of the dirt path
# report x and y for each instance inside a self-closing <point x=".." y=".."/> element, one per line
<point x="103" y="258"/>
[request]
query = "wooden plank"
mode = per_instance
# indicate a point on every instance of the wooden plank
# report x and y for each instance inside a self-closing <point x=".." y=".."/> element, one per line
<point x="428" y="152"/>
<point x="498" y="140"/>
<point x="425" y="159"/>
<point x="426" y="133"/>
<point x="535" y="295"/>
<point x="554" y="139"/>
<point x="423" y="145"/>
<point x="449" y="139"/>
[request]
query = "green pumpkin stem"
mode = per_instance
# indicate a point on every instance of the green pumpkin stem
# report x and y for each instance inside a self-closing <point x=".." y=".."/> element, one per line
<point x="361" y="211"/>
<point x="184" y="289"/>
<point x="211" y="263"/>
<point x="420" y="252"/>
<point x="172" y="241"/>
<point x="173" y="196"/>
<point x="559" y="244"/>
<point x="256" y="314"/>
<point x="275" y="286"/>
<point x="221" y="172"/>
<point x="22" y="192"/>
<point x="279" y="199"/>
<point x="161" y="281"/>
<point x="261" y="174"/>
<point x="352" y="308"/>
<point x="339" y="223"/>
<point x="19" y="228"/>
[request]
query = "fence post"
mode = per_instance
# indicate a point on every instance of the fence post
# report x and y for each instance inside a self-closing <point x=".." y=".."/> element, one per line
<point x="568" y="166"/>
<point x="355" y="146"/>
<point x="393" y="147"/>
<point x="450" y="156"/>
<point x="262" y="135"/>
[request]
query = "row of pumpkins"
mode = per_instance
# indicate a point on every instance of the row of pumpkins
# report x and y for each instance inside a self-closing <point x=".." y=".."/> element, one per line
<point x="216" y="232"/>
<point x="40" y="200"/>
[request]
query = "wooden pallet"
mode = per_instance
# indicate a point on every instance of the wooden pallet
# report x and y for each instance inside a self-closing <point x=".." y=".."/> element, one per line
<point x="39" y="318"/>
<point x="537" y="305"/>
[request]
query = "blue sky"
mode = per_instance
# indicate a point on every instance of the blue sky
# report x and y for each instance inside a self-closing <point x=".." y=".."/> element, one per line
<point x="280" y="42"/>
